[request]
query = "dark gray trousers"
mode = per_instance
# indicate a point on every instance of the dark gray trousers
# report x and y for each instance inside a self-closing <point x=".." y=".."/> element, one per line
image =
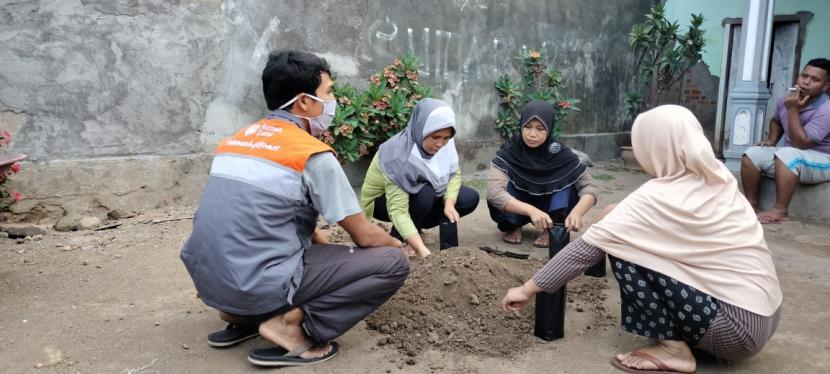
<point x="341" y="286"/>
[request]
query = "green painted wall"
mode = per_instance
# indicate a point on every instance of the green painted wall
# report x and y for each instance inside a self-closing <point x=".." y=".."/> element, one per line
<point x="815" y="44"/>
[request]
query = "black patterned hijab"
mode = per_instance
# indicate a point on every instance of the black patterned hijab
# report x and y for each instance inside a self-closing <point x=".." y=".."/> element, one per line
<point x="548" y="168"/>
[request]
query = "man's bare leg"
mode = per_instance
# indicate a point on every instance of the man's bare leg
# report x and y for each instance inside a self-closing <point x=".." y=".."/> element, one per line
<point x="785" y="182"/>
<point x="285" y="330"/>
<point x="751" y="180"/>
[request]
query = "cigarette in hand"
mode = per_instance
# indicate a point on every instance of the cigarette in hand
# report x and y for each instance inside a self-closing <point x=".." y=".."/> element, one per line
<point x="791" y="89"/>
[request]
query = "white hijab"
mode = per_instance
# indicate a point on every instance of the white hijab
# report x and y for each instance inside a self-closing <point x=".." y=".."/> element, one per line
<point x="403" y="159"/>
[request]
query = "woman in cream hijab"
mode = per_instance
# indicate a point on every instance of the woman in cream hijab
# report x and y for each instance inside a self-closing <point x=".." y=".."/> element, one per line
<point x="689" y="255"/>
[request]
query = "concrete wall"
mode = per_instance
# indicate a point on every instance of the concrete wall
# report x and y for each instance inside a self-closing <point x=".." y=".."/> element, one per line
<point x="103" y="78"/>
<point x="86" y="79"/>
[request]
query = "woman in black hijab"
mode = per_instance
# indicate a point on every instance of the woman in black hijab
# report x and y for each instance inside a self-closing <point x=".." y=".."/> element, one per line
<point x="534" y="179"/>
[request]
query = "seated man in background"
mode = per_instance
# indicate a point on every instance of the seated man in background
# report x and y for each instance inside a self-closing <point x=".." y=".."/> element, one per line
<point x="802" y="118"/>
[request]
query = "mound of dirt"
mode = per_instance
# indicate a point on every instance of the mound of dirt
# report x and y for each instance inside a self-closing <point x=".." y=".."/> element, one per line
<point x="450" y="302"/>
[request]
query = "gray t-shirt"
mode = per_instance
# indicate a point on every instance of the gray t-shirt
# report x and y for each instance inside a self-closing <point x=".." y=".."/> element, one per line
<point x="329" y="189"/>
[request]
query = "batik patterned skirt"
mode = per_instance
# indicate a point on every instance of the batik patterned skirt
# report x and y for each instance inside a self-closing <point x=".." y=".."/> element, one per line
<point x="658" y="306"/>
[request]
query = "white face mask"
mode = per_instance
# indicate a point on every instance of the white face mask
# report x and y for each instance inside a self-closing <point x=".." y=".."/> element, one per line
<point x="322" y="122"/>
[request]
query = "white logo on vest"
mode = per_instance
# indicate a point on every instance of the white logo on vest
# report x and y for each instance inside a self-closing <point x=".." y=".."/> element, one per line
<point x="251" y="130"/>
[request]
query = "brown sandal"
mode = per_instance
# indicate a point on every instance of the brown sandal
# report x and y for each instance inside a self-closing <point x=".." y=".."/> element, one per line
<point x="661" y="367"/>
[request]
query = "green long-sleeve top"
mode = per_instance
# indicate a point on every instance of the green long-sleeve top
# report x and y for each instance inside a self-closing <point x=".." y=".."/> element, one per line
<point x="377" y="183"/>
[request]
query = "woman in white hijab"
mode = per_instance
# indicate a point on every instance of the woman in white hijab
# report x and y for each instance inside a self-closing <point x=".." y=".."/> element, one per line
<point x="414" y="180"/>
<point x="691" y="260"/>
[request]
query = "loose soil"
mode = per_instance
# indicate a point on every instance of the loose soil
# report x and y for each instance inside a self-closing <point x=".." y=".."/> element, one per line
<point x="450" y="302"/>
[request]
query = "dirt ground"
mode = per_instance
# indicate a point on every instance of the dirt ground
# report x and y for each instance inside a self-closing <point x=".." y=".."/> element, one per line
<point x="120" y="301"/>
<point x="447" y="305"/>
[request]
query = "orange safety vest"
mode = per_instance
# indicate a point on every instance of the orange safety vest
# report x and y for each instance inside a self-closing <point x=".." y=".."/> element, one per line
<point x="274" y="140"/>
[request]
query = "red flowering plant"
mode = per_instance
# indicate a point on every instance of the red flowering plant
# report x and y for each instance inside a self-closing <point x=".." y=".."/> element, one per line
<point x="7" y="196"/>
<point x="365" y="119"/>
<point x="539" y="82"/>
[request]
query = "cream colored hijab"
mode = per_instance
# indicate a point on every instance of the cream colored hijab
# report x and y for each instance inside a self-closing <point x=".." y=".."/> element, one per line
<point x="690" y="222"/>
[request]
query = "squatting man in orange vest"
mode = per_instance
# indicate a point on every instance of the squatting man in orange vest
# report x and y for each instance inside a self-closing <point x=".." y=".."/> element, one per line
<point x="255" y="254"/>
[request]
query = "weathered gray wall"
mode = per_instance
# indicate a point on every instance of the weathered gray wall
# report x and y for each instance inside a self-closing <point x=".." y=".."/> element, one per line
<point x="82" y="79"/>
<point x="467" y="44"/>
<point x="109" y="78"/>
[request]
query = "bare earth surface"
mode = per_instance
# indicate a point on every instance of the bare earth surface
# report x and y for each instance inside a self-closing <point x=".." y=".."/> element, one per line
<point x="447" y="305"/>
<point x="120" y="301"/>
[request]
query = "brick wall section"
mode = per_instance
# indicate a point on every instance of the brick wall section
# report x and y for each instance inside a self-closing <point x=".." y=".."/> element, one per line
<point x="699" y="93"/>
<point x="703" y="101"/>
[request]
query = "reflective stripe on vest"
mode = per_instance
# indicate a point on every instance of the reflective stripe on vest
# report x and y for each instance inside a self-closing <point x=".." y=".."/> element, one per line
<point x="274" y="140"/>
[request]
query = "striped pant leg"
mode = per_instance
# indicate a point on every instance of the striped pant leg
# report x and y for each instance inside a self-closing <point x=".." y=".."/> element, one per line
<point x="736" y="334"/>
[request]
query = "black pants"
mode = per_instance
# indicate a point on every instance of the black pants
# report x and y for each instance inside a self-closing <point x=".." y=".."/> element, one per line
<point x="426" y="210"/>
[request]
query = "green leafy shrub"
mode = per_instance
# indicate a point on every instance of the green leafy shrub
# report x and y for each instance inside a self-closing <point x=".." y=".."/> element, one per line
<point x="539" y="82"/>
<point x="661" y="57"/>
<point x="365" y="119"/>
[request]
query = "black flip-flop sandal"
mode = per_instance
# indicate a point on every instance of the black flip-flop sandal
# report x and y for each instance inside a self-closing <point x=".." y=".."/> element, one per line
<point x="232" y="335"/>
<point x="279" y="357"/>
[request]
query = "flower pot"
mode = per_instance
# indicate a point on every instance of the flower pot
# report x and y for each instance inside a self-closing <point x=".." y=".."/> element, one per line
<point x="629" y="161"/>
